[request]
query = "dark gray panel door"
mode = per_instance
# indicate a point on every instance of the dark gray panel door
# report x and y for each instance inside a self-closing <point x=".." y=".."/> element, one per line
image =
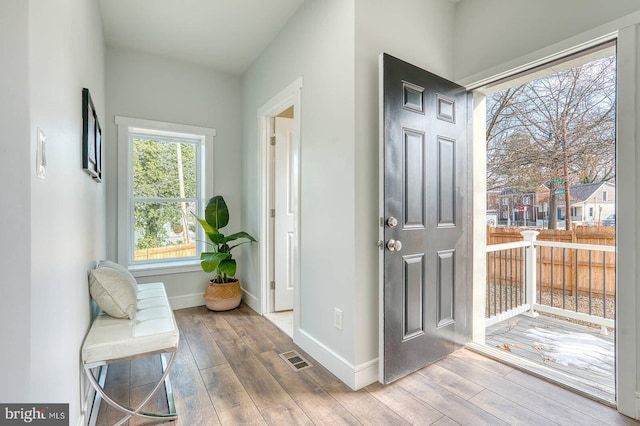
<point x="426" y="254"/>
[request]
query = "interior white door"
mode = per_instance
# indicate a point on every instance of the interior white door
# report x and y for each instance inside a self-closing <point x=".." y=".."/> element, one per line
<point x="285" y="214"/>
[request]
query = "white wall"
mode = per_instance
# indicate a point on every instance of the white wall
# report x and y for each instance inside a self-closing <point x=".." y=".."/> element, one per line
<point x="16" y="168"/>
<point x="145" y="86"/>
<point x="490" y="33"/>
<point x="398" y="28"/>
<point x="317" y="44"/>
<point x="54" y="227"/>
<point x="334" y="46"/>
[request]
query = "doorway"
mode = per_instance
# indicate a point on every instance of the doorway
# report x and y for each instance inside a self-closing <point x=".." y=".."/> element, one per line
<point x="280" y="147"/>
<point x="547" y="302"/>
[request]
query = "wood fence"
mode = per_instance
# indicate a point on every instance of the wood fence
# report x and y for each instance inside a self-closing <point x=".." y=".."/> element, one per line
<point x="176" y="250"/>
<point x="566" y="270"/>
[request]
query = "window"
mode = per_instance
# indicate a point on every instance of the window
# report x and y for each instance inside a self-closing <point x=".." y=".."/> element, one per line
<point x="505" y="201"/>
<point x="604" y="195"/>
<point x="505" y="214"/>
<point x="526" y="201"/>
<point x="162" y="172"/>
<point x="590" y="211"/>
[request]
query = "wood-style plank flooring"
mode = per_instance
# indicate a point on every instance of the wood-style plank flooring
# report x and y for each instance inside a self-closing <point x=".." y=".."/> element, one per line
<point x="228" y="372"/>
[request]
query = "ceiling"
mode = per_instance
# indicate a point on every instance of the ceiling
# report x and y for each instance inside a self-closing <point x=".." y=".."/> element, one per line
<point x="225" y="34"/>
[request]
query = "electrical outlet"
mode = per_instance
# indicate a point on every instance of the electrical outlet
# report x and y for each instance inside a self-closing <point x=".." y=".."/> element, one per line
<point x="337" y="318"/>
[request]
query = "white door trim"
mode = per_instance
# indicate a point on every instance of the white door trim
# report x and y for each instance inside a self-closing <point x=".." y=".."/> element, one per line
<point x="289" y="96"/>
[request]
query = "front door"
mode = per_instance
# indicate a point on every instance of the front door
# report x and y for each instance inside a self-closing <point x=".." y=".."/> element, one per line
<point x="426" y="286"/>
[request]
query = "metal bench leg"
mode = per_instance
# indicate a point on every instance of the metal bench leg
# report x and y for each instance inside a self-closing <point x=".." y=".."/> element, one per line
<point x="136" y="412"/>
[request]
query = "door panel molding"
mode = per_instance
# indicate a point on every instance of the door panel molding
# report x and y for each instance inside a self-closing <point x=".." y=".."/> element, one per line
<point x="413" y="288"/>
<point x="446" y="288"/>
<point x="413" y="197"/>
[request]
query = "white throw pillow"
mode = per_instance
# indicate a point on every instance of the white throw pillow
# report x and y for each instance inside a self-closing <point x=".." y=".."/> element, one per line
<point x="107" y="264"/>
<point x="113" y="292"/>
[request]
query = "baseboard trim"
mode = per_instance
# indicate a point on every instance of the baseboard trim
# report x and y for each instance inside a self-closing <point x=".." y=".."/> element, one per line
<point x="251" y="300"/>
<point x="93" y="400"/>
<point x="356" y="377"/>
<point x="186" y="301"/>
<point x="366" y="373"/>
<point x="86" y="402"/>
<point x="197" y="299"/>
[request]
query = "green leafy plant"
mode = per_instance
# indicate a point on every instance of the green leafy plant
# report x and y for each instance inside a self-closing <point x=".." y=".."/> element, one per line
<point x="219" y="260"/>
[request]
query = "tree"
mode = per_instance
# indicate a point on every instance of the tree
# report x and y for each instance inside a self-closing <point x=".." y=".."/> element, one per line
<point x="535" y="129"/>
<point x="161" y="170"/>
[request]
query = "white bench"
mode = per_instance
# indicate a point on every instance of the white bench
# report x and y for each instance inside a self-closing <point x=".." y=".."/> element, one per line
<point x="152" y="331"/>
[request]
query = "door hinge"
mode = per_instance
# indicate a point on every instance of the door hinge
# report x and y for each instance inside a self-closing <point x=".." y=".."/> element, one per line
<point x="272" y="285"/>
<point x="272" y="140"/>
<point x="273" y="213"/>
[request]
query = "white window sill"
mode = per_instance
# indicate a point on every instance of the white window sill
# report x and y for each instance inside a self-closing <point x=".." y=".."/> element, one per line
<point x="165" y="268"/>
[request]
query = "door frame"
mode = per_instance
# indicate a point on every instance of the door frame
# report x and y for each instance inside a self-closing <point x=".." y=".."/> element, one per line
<point x="627" y="34"/>
<point x="289" y="96"/>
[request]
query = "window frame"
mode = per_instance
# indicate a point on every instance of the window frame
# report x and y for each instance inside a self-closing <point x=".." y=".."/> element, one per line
<point x="204" y="176"/>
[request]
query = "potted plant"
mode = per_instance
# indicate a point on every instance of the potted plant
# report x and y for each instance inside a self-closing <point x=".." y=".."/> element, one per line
<point x="223" y="292"/>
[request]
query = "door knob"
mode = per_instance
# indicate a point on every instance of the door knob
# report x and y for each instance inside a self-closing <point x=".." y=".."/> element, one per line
<point x="394" y="245"/>
<point x="392" y="221"/>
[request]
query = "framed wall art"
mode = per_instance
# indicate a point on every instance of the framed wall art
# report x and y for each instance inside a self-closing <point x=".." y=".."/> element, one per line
<point x="91" y="138"/>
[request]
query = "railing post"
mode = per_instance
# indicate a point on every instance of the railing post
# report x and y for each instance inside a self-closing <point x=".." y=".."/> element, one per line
<point x="530" y="271"/>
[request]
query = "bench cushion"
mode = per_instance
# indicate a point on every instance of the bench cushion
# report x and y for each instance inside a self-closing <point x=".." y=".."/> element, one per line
<point x="153" y="329"/>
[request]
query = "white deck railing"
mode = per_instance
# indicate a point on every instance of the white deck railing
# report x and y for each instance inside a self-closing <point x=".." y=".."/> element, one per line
<point x="515" y="273"/>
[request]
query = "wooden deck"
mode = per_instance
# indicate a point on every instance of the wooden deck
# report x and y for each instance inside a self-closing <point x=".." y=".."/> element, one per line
<point x="228" y="372"/>
<point x="572" y="354"/>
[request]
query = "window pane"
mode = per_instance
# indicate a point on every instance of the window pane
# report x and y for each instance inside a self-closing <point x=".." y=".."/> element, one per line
<point x="164" y="230"/>
<point x="163" y="169"/>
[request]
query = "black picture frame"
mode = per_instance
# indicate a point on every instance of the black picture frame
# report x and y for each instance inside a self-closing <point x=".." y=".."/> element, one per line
<point x="91" y="138"/>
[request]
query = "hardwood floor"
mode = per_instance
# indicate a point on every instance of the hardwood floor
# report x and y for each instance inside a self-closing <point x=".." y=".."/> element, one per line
<point x="228" y="371"/>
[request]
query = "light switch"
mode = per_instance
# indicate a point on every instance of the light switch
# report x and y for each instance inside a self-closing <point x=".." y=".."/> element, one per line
<point x="41" y="155"/>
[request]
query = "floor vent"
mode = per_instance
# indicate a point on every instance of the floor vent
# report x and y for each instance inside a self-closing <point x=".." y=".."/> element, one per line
<point x="295" y="360"/>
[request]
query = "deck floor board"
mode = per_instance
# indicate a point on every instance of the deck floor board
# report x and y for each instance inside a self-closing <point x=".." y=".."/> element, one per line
<point x="580" y="355"/>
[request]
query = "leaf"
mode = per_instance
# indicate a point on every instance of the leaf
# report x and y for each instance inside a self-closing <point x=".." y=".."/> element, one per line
<point x="210" y="261"/>
<point x="548" y="359"/>
<point x="208" y="229"/>
<point x="241" y="234"/>
<point x="217" y="213"/>
<point x="216" y="237"/>
<point x="538" y="347"/>
<point x="228" y="267"/>
<point x="504" y="347"/>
